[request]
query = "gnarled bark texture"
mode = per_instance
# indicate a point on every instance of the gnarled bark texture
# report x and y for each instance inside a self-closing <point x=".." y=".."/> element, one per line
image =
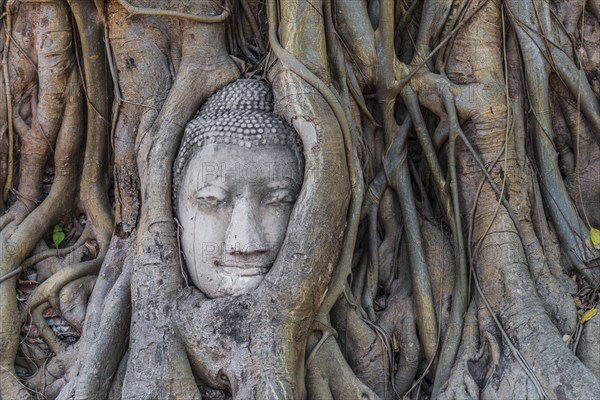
<point x="444" y="245"/>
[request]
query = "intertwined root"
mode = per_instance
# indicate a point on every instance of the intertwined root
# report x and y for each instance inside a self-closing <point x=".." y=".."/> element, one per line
<point x="441" y="158"/>
<point x="45" y="92"/>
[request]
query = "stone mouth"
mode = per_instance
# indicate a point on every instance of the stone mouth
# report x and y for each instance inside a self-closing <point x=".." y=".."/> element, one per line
<point x="244" y="269"/>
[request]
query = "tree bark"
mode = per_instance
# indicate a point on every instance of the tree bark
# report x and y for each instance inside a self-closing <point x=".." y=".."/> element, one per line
<point x="444" y="244"/>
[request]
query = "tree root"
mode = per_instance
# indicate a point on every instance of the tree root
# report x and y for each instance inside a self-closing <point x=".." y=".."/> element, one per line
<point x="329" y="376"/>
<point x="7" y="97"/>
<point x="55" y="345"/>
<point x="94" y="179"/>
<point x="571" y="230"/>
<point x="398" y="322"/>
<point x="295" y="65"/>
<point x="399" y="177"/>
<point x="92" y="327"/>
<point x="183" y="345"/>
<point x="52" y="286"/>
<point x="73" y="300"/>
<point x="588" y="350"/>
<point x="364" y="349"/>
<point x="167" y="13"/>
<point x="96" y="377"/>
<point x="39" y="257"/>
<point x="50" y="378"/>
<point x="461" y="385"/>
<point x="24" y="235"/>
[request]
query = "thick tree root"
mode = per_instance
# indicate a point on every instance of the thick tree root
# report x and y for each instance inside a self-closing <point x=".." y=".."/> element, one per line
<point x="19" y="238"/>
<point x="329" y="376"/>
<point x="94" y="377"/>
<point x="399" y="294"/>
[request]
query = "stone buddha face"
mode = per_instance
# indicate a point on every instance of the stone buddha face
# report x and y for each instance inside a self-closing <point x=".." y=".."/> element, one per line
<point x="234" y="195"/>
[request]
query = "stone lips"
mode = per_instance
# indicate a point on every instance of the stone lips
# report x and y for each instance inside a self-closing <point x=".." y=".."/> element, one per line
<point x="240" y="114"/>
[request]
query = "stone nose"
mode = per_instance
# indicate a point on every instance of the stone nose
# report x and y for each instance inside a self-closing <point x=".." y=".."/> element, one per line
<point x="244" y="234"/>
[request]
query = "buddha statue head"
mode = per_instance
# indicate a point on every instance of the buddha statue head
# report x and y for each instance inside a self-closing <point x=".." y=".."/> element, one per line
<point x="236" y="177"/>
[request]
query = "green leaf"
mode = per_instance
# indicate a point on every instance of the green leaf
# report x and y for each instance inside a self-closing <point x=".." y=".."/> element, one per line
<point x="595" y="237"/>
<point x="58" y="235"/>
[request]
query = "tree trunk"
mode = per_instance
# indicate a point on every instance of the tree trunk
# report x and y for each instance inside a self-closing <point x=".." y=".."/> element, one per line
<point x="444" y="243"/>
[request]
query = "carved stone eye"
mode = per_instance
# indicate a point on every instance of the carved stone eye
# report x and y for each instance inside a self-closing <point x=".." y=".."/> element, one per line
<point x="279" y="196"/>
<point x="212" y="197"/>
<point x="211" y="201"/>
